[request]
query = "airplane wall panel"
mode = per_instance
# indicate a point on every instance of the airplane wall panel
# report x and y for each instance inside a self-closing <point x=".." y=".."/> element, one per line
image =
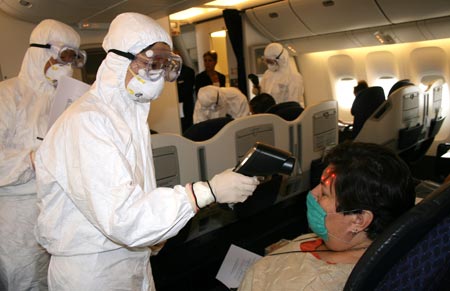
<point x="343" y="15"/>
<point x="428" y="60"/>
<point x="399" y="11"/>
<point x="381" y="64"/>
<point x="278" y="21"/>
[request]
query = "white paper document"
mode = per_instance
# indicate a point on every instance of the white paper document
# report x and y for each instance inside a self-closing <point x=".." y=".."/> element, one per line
<point x="68" y="90"/>
<point x="234" y="266"/>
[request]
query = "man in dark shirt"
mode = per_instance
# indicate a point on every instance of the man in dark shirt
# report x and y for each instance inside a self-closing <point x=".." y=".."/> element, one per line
<point x="185" y="84"/>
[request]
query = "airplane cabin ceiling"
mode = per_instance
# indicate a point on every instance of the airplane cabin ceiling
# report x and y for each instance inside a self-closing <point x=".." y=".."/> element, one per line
<point x="317" y="25"/>
<point x="398" y="11"/>
<point x="97" y="11"/>
<point x="343" y="15"/>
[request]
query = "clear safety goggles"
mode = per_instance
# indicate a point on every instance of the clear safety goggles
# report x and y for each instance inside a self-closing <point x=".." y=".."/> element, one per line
<point x="159" y="64"/>
<point x="66" y="55"/>
<point x="155" y="65"/>
<point x="272" y="61"/>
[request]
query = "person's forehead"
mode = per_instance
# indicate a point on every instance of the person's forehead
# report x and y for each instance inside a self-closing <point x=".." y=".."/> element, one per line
<point x="328" y="177"/>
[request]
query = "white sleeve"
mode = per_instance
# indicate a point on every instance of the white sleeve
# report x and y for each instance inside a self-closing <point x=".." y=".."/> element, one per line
<point x="15" y="163"/>
<point x="104" y="177"/>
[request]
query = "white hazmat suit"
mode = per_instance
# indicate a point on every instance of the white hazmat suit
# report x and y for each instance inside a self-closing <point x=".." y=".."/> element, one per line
<point x="213" y="102"/>
<point x="282" y="82"/>
<point x="100" y="207"/>
<point x="25" y="103"/>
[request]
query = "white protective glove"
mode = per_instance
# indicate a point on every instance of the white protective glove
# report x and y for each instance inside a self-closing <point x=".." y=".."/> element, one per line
<point x="226" y="187"/>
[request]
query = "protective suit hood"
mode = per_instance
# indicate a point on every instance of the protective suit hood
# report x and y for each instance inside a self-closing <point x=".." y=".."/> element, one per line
<point x="236" y="101"/>
<point x="210" y="104"/>
<point x="141" y="32"/>
<point x="210" y="95"/>
<point x="229" y="100"/>
<point x="273" y="50"/>
<point x="51" y="32"/>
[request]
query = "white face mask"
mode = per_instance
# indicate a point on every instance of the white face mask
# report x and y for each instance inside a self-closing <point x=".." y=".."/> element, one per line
<point x="56" y="71"/>
<point x="273" y="67"/>
<point x="142" y="90"/>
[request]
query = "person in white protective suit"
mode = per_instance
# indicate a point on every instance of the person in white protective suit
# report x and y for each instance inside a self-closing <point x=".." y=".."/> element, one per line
<point x="280" y="80"/>
<point x="25" y="103"/>
<point x="100" y="208"/>
<point x="213" y="102"/>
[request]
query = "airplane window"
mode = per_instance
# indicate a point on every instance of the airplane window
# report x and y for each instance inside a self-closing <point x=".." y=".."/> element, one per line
<point x="385" y="82"/>
<point x="345" y="97"/>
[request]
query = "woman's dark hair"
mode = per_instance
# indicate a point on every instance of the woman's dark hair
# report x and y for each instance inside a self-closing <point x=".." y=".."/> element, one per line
<point x="212" y="54"/>
<point x="261" y="103"/>
<point x="371" y="177"/>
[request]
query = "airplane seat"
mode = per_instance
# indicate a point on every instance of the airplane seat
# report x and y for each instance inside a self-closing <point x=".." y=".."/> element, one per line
<point x="263" y="197"/>
<point x="287" y="110"/>
<point x="316" y="132"/>
<point x="433" y="120"/>
<point x="231" y="143"/>
<point x="176" y="162"/>
<point x="225" y="149"/>
<point x="435" y="116"/>
<point x="398" y="122"/>
<point x="365" y="104"/>
<point x="412" y="253"/>
<point x="206" y="129"/>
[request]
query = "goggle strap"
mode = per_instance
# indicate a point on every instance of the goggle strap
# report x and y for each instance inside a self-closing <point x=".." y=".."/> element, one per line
<point x="129" y="56"/>
<point x="46" y="46"/>
<point x="277" y="57"/>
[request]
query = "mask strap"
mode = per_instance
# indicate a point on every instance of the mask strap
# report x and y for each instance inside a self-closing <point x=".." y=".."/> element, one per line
<point x="131" y="71"/>
<point x="46" y="46"/>
<point x="136" y="76"/>
<point x="129" y="56"/>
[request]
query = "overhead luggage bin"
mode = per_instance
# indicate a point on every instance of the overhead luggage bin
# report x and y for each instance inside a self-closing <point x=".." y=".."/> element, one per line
<point x="343" y="15"/>
<point x="399" y="11"/>
<point x="438" y="28"/>
<point x="277" y="21"/>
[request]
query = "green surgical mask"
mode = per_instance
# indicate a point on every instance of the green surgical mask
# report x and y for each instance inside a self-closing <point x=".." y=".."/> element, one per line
<point x="316" y="217"/>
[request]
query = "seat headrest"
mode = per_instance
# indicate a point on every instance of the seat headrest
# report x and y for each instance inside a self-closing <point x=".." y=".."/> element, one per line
<point x="287" y="110"/>
<point x="396" y="242"/>
<point x="206" y="129"/>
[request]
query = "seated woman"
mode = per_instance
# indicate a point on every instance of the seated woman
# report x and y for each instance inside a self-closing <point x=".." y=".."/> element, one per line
<point x="214" y="102"/>
<point x="364" y="189"/>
